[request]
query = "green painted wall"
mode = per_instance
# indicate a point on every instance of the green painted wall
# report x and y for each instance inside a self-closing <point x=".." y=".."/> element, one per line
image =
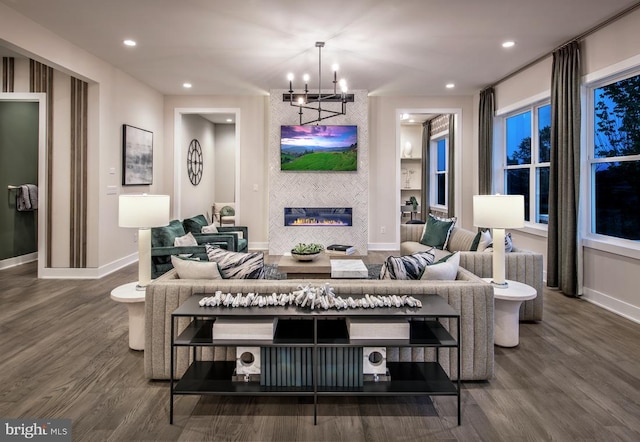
<point x="18" y="165"/>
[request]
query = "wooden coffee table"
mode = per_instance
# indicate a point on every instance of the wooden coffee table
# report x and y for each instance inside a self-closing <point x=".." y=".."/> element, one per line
<point x="320" y="268"/>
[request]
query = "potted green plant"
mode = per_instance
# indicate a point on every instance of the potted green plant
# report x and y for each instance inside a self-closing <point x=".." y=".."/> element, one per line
<point x="414" y="203"/>
<point x="306" y="252"/>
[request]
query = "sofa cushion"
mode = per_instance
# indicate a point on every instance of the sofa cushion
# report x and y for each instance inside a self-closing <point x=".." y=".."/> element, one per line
<point x="165" y="236"/>
<point x="445" y="269"/>
<point x="437" y="231"/>
<point x="190" y="269"/>
<point x="237" y="265"/>
<point x="460" y="240"/>
<point x="195" y="224"/>
<point x="406" y="267"/>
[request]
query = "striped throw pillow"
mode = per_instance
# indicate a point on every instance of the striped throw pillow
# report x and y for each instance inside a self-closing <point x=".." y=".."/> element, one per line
<point x="237" y="265"/>
<point x="407" y="266"/>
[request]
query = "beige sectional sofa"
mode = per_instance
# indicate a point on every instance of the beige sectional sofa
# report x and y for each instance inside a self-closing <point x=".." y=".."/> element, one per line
<point x="471" y="296"/>
<point x="520" y="265"/>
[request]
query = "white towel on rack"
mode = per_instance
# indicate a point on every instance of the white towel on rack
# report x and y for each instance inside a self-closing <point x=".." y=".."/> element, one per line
<point x="27" y="198"/>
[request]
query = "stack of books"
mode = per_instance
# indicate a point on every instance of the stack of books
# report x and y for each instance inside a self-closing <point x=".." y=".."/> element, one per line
<point x="340" y="249"/>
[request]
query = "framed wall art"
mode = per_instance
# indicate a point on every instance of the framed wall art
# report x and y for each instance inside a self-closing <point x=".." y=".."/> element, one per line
<point x="137" y="156"/>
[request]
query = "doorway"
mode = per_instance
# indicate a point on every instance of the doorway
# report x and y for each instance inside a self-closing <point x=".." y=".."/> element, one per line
<point x="216" y="131"/>
<point x="409" y="161"/>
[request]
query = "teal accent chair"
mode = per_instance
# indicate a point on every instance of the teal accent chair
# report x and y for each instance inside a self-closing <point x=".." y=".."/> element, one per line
<point x="162" y="240"/>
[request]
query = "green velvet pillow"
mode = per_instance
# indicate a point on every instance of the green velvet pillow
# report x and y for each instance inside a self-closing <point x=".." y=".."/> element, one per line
<point x="436" y="231"/>
<point x="195" y="224"/>
<point x="165" y="236"/>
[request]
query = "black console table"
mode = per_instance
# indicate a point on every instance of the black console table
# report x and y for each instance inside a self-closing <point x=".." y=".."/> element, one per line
<point x="322" y="329"/>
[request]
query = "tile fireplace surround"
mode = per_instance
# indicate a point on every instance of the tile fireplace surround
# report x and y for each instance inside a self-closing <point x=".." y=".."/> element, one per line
<point x="288" y="189"/>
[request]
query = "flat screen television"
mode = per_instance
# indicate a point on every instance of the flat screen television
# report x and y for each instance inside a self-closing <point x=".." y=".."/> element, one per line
<point x="319" y="148"/>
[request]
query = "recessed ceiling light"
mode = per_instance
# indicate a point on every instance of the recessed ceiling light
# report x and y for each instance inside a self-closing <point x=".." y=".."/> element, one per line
<point x="508" y="44"/>
<point x="450" y="85"/>
<point x="412" y="121"/>
<point x="129" y="43"/>
<point x="186" y="85"/>
<point x="229" y="120"/>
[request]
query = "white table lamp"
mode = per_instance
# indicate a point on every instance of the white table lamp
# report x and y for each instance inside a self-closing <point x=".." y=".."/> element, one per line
<point x="499" y="212"/>
<point x="143" y="211"/>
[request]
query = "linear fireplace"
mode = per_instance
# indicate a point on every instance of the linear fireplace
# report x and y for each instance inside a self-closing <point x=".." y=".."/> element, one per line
<point x="318" y="216"/>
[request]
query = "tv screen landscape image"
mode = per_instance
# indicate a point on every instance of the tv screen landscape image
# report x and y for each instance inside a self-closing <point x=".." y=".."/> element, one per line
<point x="319" y="148"/>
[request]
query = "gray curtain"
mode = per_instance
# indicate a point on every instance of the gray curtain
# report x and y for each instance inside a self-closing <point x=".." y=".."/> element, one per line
<point x="451" y="203"/>
<point x="424" y="195"/>
<point x="564" y="175"/>
<point x="485" y="141"/>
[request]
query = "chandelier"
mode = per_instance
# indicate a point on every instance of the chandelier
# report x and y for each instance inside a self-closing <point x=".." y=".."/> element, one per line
<point x="313" y="101"/>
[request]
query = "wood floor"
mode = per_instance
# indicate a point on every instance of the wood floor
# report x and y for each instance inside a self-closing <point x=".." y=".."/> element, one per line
<point x="64" y="354"/>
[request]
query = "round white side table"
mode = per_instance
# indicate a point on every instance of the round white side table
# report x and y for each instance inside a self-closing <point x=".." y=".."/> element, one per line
<point x="128" y="294"/>
<point x="507" y="311"/>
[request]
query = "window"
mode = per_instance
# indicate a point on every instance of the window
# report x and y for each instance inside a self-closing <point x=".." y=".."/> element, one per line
<point x="526" y="159"/>
<point x="439" y="162"/>
<point x="614" y="157"/>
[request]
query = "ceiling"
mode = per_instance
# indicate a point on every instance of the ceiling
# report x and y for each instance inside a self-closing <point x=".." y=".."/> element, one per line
<point x="390" y="47"/>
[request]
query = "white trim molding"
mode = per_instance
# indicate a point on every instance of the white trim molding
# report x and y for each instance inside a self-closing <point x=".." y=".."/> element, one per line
<point x="18" y="260"/>
<point x="621" y="308"/>
<point x="88" y="273"/>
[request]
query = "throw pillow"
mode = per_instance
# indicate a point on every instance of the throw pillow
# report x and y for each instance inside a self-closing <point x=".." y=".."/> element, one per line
<point x="164" y="236"/>
<point x="481" y="241"/>
<point x="444" y="270"/>
<point x="189" y="269"/>
<point x="237" y="265"/>
<point x="186" y="240"/>
<point x="436" y="231"/>
<point x="194" y="224"/>
<point x="508" y="244"/>
<point x="209" y="229"/>
<point x="405" y="267"/>
<point x="485" y="240"/>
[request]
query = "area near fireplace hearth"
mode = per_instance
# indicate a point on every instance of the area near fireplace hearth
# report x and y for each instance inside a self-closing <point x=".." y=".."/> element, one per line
<point x="318" y="207"/>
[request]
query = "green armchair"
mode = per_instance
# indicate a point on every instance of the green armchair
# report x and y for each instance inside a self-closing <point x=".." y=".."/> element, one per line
<point x="162" y="242"/>
<point x="240" y="233"/>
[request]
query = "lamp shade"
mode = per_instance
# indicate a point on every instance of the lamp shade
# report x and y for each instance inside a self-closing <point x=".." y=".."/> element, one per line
<point x="498" y="211"/>
<point x="143" y="211"/>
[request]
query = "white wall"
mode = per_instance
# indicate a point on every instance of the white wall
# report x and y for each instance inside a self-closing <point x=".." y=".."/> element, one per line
<point x="611" y="270"/>
<point x="225" y="152"/>
<point x="115" y="98"/>
<point x="384" y="172"/>
<point x="319" y="189"/>
<point x="199" y="197"/>
<point x="250" y="133"/>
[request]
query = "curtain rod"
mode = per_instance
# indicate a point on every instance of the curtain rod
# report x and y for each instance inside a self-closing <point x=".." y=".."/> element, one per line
<point x="580" y="37"/>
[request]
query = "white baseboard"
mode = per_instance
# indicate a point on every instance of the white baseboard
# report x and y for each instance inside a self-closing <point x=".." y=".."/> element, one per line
<point x="18" y="260"/>
<point x="258" y="246"/>
<point x="624" y="309"/>
<point x="87" y="273"/>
